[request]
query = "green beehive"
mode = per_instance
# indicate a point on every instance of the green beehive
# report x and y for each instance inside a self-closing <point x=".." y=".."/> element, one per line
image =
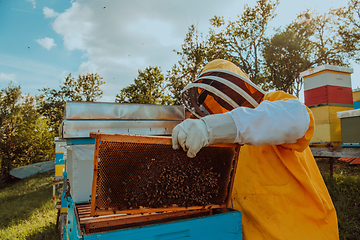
<point x="350" y="127"/>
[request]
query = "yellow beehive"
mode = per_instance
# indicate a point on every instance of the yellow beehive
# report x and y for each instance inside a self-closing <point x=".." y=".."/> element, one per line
<point x="356" y="95"/>
<point x="327" y="125"/>
<point x="356" y="98"/>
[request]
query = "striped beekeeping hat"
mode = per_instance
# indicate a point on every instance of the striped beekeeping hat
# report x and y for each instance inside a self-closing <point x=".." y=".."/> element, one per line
<point x="221" y="87"/>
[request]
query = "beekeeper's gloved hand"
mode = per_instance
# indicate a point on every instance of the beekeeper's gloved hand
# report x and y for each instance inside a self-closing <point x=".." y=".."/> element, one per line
<point x="194" y="134"/>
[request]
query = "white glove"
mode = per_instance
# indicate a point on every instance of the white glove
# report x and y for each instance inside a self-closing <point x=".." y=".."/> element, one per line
<point x="194" y="134"/>
<point x="191" y="135"/>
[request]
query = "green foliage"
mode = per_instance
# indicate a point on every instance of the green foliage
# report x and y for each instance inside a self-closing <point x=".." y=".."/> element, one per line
<point x="194" y="54"/>
<point x="345" y="194"/>
<point x="148" y="88"/>
<point x="85" y="88"/>
<point x="286" y="55"/>
<point x="348" y="23"/>
<point x="27" y="210"/>
<point x="51" y="102"/>
<point x="24" y="135"/>
<point x="327" y="48"/>
<point x="239" y="41"/>
<point x="275" y="62"/>
<point x="243" y="39"/>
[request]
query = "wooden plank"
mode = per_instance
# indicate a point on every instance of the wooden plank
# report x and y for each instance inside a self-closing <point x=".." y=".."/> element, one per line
<point x="119" y="137"/>
<point x="228" y="200"/>
<point x="84" y="208"/>
<point x="94" y="183"/>
<point x="356" y="161"/>
<point x="95" y="223"/>
<point x="346" y="159"/>
<point x="101" y="212"/>
<point x="336" y="152"/>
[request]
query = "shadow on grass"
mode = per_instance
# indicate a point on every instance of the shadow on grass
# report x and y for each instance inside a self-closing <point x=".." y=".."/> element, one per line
<point x="49" y="232"/>
<point x="16" y="206"/>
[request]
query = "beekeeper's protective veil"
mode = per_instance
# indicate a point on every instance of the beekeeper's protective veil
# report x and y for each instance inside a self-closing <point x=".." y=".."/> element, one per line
<point x="221" y="87"/>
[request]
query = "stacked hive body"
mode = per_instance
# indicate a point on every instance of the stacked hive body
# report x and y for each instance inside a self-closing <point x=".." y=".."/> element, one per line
<point x="81" y="118"/>
<point x="327" y="90"/>
<point x="356" y="98"/>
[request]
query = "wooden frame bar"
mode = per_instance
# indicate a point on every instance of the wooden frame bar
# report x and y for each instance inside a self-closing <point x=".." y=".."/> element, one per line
<point x="94" y="184"/>
<point x="131" y="138"/>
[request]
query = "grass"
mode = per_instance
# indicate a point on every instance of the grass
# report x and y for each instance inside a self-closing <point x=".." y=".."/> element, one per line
<point x="338" y="167"/>
<point x="344" y="189"/>
<point x="27" y="210"/>
<point x="345" y="194"/>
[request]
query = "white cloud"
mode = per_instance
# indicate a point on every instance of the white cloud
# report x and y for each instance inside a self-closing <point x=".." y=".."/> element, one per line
<point x="47" y="43"/>
<point x="49" y="13"/>
<point x="33" y="3"/>
<point x="119" y="38"/>
<point x="7" y="77"/>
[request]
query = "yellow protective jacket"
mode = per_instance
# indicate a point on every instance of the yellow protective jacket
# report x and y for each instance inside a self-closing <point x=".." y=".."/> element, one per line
<point x="280" y="191"/>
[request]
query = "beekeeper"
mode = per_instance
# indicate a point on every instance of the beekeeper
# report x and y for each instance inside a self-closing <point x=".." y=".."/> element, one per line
<point x="278" y="186"/>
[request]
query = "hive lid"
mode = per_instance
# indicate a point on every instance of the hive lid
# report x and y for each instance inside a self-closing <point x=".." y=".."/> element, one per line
<point x="349" y="113"/>
<point x="324" y="68"/>
<point x="138" y="174"/>
<point x="122" y="111"/>
<point x="82" y="128"/>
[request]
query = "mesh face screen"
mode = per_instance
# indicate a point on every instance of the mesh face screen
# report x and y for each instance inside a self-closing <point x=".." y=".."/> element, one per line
<point x="134" y="175"/>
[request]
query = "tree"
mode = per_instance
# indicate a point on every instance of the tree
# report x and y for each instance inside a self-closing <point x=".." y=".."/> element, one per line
<point x="194" y="55"/>
<point x="286" y="55"/>
<point x="52" y="102"/>
<point x="326" y="40"/>
<point x="8" y="117"/>
<point x="303" y="45"/>
<point x="243" y="39"/>
<point x="349" y="28"/>
<point x="24" y="135"/>
<point x="148" y="88"/>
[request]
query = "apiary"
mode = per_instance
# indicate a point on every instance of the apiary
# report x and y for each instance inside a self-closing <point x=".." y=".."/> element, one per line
<point x="139" y="181"/>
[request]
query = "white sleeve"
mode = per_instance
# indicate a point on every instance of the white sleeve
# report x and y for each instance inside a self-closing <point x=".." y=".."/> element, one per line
<point x="271" y="123"/>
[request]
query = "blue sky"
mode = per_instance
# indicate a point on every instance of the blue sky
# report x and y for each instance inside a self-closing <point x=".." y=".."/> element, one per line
<point x="42" y="41"/>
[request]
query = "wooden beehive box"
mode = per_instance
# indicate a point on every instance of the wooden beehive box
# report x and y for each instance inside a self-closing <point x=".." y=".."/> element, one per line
<point x="350" y="127"/>
<point x="141" y="180"/>
<point x="327" y="90"/>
